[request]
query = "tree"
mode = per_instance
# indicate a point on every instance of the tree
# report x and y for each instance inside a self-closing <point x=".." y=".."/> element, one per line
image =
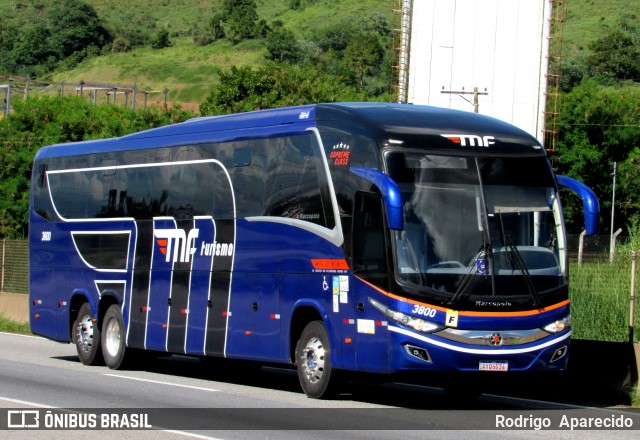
<point x="276" y="85"/>
<point x="161" y="40"/>
<point x="616" y="56"/>
<point x="32" y="49"/>
<point x="282" y="46"/>
<point x="121" y="44"/>
<point x="241" y="17"/>
<point x="8" y="37"/>
<point x="74" y="26"/>
<point x="629" y="172"/>
<point x="364" y="55"/>
<point x="336" y="38"/>
<point x="43" y="121"/>
<point x="56" y="31"/>
<point x="131" y="30"/>
<point x="571" y="67"/>
<point x="598" y="126"/>
<point x="217" y="30"/>
<point x="237" y="91"/>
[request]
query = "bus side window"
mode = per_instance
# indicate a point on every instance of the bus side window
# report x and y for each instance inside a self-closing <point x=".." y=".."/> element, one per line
<point x="369" y="254"/>
<point x="294" y="184"/>
<point x="42" y="175"/>
<point x="41" y="200"/>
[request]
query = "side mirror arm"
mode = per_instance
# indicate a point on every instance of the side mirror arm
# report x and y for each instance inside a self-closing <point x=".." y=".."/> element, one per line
<point x="390" y="194"/>
<point x="589" y="201"/>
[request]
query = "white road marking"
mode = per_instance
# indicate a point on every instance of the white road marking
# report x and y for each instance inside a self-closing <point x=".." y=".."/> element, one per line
<point x="161" y="382"/>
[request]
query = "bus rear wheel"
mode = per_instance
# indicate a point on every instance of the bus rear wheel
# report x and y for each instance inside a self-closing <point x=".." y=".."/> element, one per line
<point x="113" y="339"/>
<point x="86" y="337"/>
<point x="313" y="361"/>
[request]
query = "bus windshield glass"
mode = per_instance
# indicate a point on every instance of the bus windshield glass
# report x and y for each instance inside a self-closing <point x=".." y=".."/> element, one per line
<point x="480" y="226"/>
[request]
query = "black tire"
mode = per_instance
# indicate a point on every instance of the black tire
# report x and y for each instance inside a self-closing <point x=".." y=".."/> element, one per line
<point x="313" y="362"/>
<point x="114" y="348"/>
<point x="85" y="334"/>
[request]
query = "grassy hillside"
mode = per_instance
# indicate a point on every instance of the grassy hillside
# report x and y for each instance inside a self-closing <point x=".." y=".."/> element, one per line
<point x="181" y="16"/>
<point x="190" y="72"/>
<point x="588" y="20"/>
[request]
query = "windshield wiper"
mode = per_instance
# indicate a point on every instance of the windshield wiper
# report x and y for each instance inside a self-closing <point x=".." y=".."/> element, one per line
<point x="515" y="257"/>
<point x="486" y="250"/>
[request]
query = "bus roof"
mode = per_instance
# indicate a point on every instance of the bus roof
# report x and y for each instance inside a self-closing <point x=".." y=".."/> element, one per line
<point x="394" y="123"/>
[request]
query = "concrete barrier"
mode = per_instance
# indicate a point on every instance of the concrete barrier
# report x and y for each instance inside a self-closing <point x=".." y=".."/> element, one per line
<point x="15" y="306"/>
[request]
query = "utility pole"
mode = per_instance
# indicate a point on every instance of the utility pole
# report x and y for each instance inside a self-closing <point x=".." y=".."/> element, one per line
<point x="613" y="205"/>
<point x="7" y="104"/>
<point x="475" y="94"/>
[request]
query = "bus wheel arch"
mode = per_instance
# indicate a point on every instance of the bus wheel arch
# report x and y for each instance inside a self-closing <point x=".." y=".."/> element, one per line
<point x="302" y="316"/>
<point x="106" y="301"/>
<point x="311" y="353"/>
<point x="313" y="361"/>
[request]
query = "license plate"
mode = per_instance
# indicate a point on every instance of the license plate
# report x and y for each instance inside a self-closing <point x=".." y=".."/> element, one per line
<point x="494" y="366"/>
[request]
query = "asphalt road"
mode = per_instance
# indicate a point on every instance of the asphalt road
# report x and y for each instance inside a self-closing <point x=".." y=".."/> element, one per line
<point x="185" y="397"/>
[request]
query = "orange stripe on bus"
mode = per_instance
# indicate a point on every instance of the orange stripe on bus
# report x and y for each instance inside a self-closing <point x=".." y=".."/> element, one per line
<point x="472" y="313"/>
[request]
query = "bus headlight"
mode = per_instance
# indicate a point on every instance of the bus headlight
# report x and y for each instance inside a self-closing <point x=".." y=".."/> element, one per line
<point x="412" y="322"/>
<point x="558" y="326"/>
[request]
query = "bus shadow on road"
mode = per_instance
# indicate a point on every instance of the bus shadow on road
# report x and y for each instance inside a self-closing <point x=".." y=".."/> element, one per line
<point x="412" y="392"/>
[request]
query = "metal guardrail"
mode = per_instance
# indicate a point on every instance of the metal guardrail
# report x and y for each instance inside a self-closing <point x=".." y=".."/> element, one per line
<point x="125" y="94"/>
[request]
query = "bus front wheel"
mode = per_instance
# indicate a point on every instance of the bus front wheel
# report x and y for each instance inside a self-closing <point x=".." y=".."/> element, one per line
<point x="86" y="337"/>
<point x="113" y="338"/>
<point x="313" y="361"/>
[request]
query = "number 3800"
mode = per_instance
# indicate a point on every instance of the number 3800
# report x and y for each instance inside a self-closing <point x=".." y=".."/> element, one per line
<point x="422" y="310"/>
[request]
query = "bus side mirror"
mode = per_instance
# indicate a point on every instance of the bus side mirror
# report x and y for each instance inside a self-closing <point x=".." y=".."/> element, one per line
<point x="390" y="194"/>
<point x="589" y="201"/>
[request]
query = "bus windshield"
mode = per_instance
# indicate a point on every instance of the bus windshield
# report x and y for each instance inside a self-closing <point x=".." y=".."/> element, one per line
<point x="481" y="226"/>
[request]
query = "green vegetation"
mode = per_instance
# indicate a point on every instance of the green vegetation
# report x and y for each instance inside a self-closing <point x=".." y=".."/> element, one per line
<point x="600" y="301"/>
<point x="65" y="32"/>
<point x="599" y="125"/>
<point x="310" y="50"/>
<point x="234" y="56"/>
<point x="50" y="120"/>
<point x="7" y="325"/>
<point x="600" y="295"/>
<point x="274" y="85"/>
<point x="243" y="55"/>
<point x="588" y="20"/>
<point x="184" y="45"/>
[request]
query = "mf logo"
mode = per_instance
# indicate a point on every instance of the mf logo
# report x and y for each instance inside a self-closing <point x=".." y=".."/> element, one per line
<point x="470" y="140"/>
<point x="176" y="244"/>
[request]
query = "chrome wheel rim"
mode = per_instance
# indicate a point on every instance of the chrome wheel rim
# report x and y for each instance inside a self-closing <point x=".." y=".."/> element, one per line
<point x="112" y="337"/>
<point x="312" y="359"/>
<point x="84" y="333"/>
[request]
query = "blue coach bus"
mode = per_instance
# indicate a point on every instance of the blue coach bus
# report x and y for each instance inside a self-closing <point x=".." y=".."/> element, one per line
<point x="362" y="237"/>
